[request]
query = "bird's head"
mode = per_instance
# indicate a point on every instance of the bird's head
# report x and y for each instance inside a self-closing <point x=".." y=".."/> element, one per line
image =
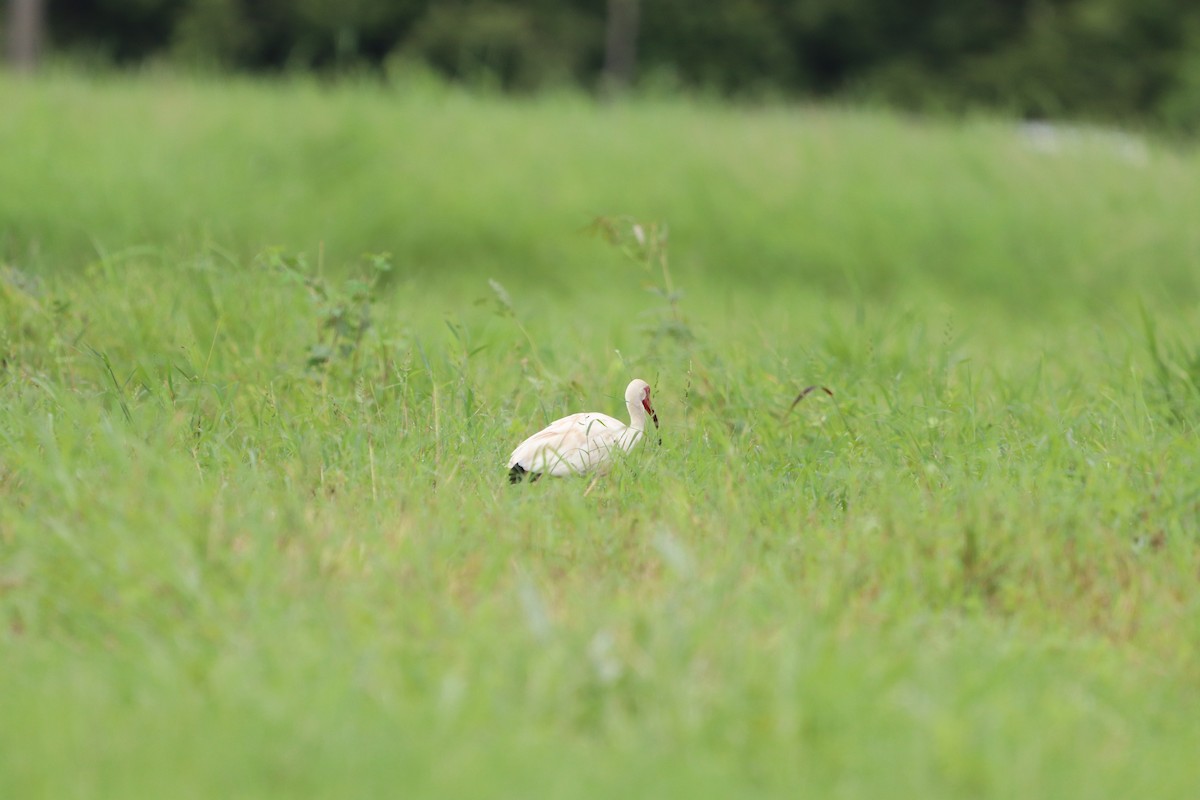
<point x="637" y="394"/>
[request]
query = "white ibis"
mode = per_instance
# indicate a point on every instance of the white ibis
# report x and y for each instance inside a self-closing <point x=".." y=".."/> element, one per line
<point x="583" y="443"/>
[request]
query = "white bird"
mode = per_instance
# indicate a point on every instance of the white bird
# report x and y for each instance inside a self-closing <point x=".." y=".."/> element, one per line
<point x="584" y="442"/>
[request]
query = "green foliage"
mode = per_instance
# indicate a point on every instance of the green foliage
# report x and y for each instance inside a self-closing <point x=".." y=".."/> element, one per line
<point x="1108" y="59"/>
<point x="1114" y="60"/>
<point x="228" y="570"/>
<point x="646" y="244"/>
<point x="213" y="32"/>
<point x="504" y="44"/>
<point x="344" y="312"/>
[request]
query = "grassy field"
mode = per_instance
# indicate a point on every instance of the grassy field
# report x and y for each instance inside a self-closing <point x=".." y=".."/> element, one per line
<point x="264" y="350"/>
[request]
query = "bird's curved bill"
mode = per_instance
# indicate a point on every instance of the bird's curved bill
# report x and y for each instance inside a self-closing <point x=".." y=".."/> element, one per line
<point x="653" y="415"/>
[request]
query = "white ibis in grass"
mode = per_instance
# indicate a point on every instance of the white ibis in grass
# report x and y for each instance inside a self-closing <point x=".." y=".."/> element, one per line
<point x="583" y="443"/>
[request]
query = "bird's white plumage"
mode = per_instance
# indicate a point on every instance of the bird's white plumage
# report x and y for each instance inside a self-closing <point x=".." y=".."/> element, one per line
<point x="587" y="442"/>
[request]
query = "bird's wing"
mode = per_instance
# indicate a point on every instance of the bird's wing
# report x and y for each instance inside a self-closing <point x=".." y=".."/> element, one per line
<point x="573" y="444"/>
<point x="605" y="434"/>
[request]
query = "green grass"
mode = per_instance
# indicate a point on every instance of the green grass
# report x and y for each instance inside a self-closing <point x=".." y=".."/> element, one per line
<point x="252" y="546"/>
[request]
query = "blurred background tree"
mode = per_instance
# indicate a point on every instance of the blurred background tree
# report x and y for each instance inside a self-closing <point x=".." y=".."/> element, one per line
<point x="24" y="33"/>
<point x="1113" y="60"/>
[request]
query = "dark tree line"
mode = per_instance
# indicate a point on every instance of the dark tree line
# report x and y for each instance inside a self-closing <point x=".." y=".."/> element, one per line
<point x="1104" y="59"/>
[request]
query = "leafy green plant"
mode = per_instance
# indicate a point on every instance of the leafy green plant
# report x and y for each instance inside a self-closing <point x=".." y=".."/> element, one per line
<point x="646" y="244"/>
<point x="345" y="309"/>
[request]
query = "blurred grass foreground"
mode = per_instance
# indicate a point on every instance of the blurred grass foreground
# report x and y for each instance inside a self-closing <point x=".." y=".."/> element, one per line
<point x="265" y="346"/>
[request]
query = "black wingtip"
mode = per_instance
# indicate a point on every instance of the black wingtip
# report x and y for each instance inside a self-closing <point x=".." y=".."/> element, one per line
<point x="518" y="473"/>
